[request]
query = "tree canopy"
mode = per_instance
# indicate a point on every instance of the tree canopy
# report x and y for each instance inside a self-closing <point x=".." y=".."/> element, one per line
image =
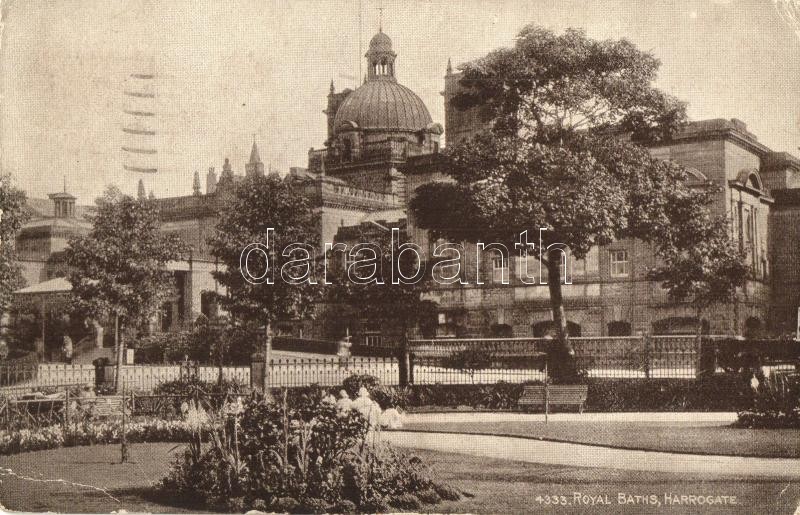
<point x="118" y="269"/>
<point x="273" y="214"/>
<point x="12" y="216"/>
<point x="568" y="118"/>
<point x="401" y="306"/>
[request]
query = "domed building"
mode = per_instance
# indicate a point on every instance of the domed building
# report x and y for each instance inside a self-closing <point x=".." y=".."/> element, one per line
<point x="376" y="127"/>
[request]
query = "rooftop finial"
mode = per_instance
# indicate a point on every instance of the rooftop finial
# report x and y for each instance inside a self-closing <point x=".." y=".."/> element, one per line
<point x="333" y="89"/>
<point x="380" y="18"/>
<point x="449" y="67"/>
<point x="65" y="184"/>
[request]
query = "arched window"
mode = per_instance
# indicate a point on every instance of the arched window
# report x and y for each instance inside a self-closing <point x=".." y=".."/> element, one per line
<point x="501" y="331"/>
<point x="348" y="149"/>
<point x="619" y="328"/>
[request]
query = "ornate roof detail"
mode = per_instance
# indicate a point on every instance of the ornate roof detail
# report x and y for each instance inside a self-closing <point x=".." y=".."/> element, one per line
<point x="381" y="104"/>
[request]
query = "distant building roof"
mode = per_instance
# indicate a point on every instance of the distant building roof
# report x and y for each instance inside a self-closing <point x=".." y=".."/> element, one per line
<point x="57" y="285"/>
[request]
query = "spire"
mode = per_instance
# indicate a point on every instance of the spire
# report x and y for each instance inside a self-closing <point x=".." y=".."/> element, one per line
<point x="196" y="183"/>
<point x="449" y="67"/>
<point x="140" y="193"/>
<point x="333" y="89"/>
<point x="254" y="157"/>
<point x="65" y="184"/>
<point x="254" y="166"/>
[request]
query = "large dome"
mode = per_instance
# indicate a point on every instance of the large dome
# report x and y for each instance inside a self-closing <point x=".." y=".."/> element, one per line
<point x="383" y="104"/>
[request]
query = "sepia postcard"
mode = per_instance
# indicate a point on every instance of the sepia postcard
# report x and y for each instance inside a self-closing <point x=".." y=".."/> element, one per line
<point x="421" y="256"/>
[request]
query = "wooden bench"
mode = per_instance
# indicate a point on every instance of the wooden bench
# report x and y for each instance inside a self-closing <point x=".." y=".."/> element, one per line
<point x="557" y="394"/>
<point x="104" y="407"/>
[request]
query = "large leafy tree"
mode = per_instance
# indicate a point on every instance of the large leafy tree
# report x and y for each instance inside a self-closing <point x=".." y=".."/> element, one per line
<point x="568" y="117"/>
<point x="118" y="269"/>
<point x="12" y="216"/>
<point x="260" y="220"/>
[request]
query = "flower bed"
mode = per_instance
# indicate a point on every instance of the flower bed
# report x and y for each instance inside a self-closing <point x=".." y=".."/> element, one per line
<point x="92" y="433"/>
<point x="307" y="455"/>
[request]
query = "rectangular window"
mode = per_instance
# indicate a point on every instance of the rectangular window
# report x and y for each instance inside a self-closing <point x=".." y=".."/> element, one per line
<point x="498" y="270"/>
<point x="374" y="340"/>
<point x="592" y="261"/>
<point x="578" y="267"/>
<point x="620" y="266"/>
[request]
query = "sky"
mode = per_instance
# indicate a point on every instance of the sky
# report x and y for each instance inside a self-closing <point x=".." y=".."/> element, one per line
<point x="229" y="72"/>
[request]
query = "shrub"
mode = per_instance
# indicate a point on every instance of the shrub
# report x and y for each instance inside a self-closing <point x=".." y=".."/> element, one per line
<point x="715" y="393"/>
<point x="774" y="403"/>
<point x="285" y="504"/>
<point x="446" y="492"/>
<point x="429" y="496"/>
<point x="210" y="394"/>
<point x="354" y="383"/>
<point x="345" y="506"/>
<point x="405" y="502"/>
<point x="469" y="361"/>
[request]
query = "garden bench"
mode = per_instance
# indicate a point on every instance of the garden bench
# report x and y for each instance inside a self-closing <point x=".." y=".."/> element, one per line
<point x="557" y="394"/>
<point x="105" y="407"/>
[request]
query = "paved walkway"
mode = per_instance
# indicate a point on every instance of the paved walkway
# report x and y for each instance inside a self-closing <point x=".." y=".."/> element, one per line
<point x="721" y="418"/>
<point x="580" y="455"/>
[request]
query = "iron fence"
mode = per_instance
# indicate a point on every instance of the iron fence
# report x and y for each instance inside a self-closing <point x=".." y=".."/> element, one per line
<point x="438" y="370"/>
<point x="15" y="374"/>
<point x="602" y="357"/>
<point x="330" y="371"/>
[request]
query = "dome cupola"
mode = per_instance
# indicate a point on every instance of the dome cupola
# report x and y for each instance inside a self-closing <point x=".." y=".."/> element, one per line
<point x="381" y="103"/>
<point x="380" y="57"/>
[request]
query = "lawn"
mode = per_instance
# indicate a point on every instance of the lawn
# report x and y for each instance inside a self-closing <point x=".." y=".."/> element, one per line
<point x="496" y="486"/>
<point x="683" y="437"/>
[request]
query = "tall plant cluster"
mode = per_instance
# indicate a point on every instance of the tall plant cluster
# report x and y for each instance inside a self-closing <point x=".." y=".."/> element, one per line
<point x="304" y="456"/>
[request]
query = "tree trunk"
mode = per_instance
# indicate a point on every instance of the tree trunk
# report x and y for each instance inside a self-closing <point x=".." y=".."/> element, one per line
<point x="562" y="355"/>
<point x="267" y="356"/>
<point x="119" y="347"/>
<point x="404" y="362"/>
<point x="220" y="377"/>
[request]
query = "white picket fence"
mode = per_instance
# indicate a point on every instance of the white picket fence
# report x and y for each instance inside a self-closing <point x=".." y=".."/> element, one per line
<point x="329" y="371"/>
<point x="139" y="377"/>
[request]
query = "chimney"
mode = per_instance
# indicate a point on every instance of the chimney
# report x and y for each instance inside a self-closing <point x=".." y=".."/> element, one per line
<point x="196" y="184"/>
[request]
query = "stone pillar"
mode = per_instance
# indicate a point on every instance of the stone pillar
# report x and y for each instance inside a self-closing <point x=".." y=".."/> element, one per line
<point x="257" y="370"/>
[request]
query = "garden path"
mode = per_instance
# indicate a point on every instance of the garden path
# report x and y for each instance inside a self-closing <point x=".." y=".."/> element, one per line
<point x="581" y="455"/>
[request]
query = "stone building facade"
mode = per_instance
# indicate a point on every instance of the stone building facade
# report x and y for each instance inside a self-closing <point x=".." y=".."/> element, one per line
<point x="610" y="293"/>
<point x="382" y="144"/>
